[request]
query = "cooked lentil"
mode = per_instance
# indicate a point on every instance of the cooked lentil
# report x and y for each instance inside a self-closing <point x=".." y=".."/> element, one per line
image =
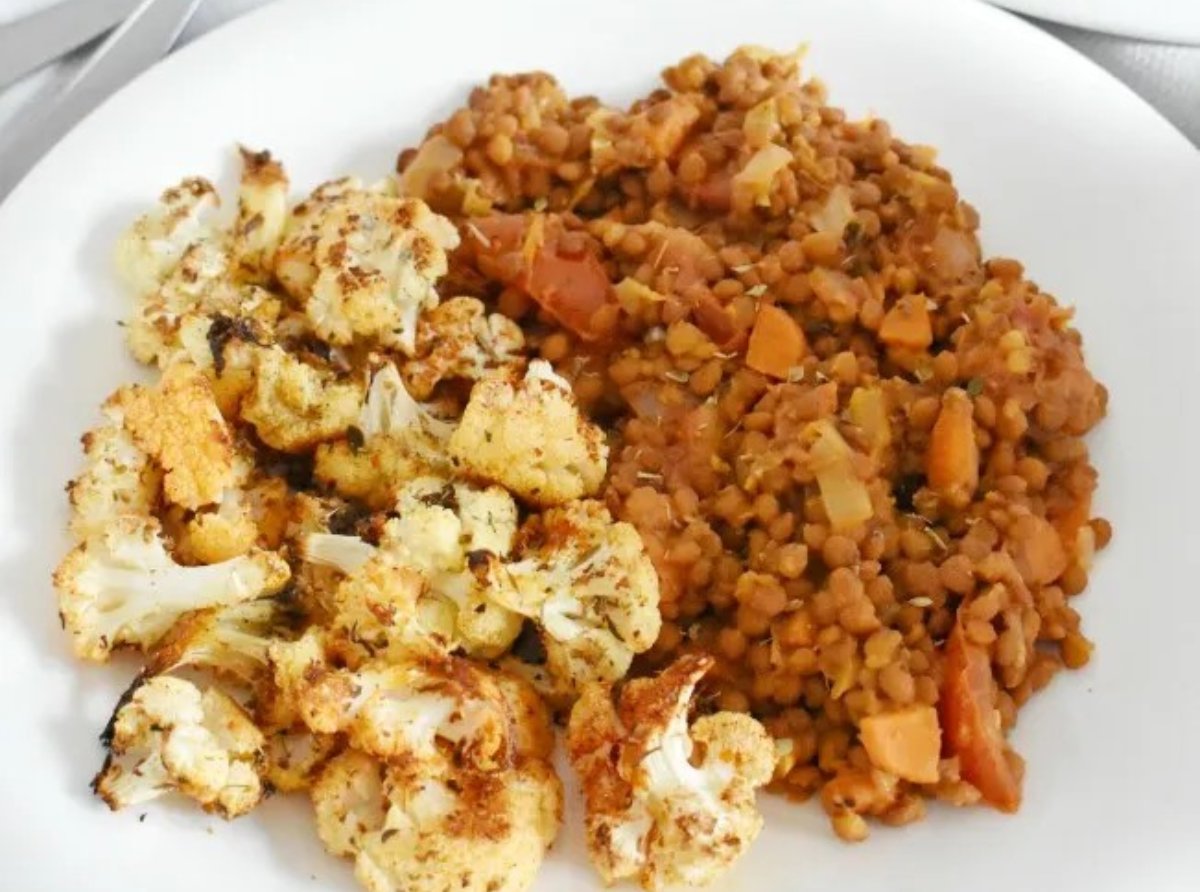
<point x="895" y="460"/>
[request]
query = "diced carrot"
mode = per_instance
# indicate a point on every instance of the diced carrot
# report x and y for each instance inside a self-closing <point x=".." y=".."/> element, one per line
<point x="952" y="457"/>
<point x="906" y="324"/>
<point x="1039" y="553"/>
<point x="776" y="342"/>
<point x="715" y="320"/>
<point x="971" y="724"/>
<point x="907" y="743"/>
<point x="531" y="254"/>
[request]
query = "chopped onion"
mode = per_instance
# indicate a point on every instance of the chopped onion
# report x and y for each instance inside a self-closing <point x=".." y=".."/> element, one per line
<point x="835" y="213"/>
<point x="436" y="155"/>
<point x="844" y="495"/>
<point x="758" y="174"/>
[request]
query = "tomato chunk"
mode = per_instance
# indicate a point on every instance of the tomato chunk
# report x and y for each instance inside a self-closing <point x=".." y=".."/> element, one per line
<point x="971" y="725"/>
<point x="558" y="271"/>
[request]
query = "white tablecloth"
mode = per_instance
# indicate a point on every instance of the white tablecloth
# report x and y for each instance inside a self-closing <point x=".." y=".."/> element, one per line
<point x="1167" y="76"/>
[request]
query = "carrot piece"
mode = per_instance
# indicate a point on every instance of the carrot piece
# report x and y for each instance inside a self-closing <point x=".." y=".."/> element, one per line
<point x="528" y="253"/>
<point x="1039" y="553"/>
<point x="952" y="457"/>
<point x="907" y="743"/>
<point x="967" y="707"/>
<point x="776" y="343"/>
<point x="907" y="325"/>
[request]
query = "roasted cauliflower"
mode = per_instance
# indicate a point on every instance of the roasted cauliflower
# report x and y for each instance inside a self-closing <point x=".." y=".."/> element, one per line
<point x="458" y="339"/>
<point x="293" y="406"/>
<point x="178" y="424"/>
<point x="261" y="215"/>
<point x="407" y="709"/>
<point x="118" y="478"/>
<point x="530" y="438"/>
<point x="666" y="803"/>
<point x="170" y="737"/>
<point x="364" y="263"/>
<point x="231" y="641"/>
<point x="395" y="440"/>
<point x="438" y="827"/>
<point x="124" y="589"/>
<point x="182" y="266"/>
<point x="588" y="584"/>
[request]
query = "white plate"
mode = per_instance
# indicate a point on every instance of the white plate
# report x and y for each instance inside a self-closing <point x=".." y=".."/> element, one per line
<point x="1071" y="172"/>
<point x="1175" y="21"/>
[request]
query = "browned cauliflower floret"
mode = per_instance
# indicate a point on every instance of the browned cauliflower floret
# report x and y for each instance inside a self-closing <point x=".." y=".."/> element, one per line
<point x="446" y="535"/>
<point x="231" y="641"/>
<point x="182" y="267"/>
<point x="294" y="406"/>
<point x="118" y="479"/>
<point x="124" y="589"/>
<point x="531" y="439"/>
<point x="170" y="737"/>
<point x="178" y="424"/>
<point x="440" y="828"/>
<point x="379" y="611"/>
<point x="458" y="339"/>
<point x="409" y="709"/>
<point x="666" y="804"/>
<point x="400" y="440"/>
<point x="364" y="262"/>
<point x="261" y="215"/>
<point x="589" y="586"/>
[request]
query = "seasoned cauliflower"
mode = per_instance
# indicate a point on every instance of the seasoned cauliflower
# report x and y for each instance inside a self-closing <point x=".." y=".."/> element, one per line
<point x="440" y="829"/>
<point x="399" y="439"/>
<point x="170" y="737"/>
<point x="181" y="267"/>
<point x="412" y="709"/>
<point x="123" y="588"/>
<point x="154" y="246"/>
<point x="450" y="532"/>
<point x="364" y="263"/>
<point x="178" y="424"/>
<point x="294" y="757"/>
<point x="293" y="405"/>
<point x="261" y="215"/>
<point x="459" y="340"/>
<point x="530" y="438"/>
<point x="231" y="641"/>
<point x="118" y="479"/>
<point x="590" y="587"/>
<point x="379" y="612"/>
<point x="664" y="803"/>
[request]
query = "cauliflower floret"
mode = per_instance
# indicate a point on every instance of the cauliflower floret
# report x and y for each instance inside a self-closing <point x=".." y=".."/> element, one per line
<point x="294" y="406"/>
<point x="459" y="340"/>
<point x="399" y="439"/>
<point x="180" y="265"/>
<point x="412" y="710"/>
<point x="450" y="532"/>
<point x="253" y="512"/>
<point x="231" y="641"/>
<point x="294" y="757"/>
<point x="261" y="215"/>
<point x="118" y="479"/>
<point x="178" y="424"/>
<point x="531" y="438"/>
<point x="123" y="588"/>
<point x="151" y="249"/>
<point x="590" y="587"/>
<point x="168" y="736"/>
<point x="653" y="810"/>
<point x="437" y="826"/>
<point x="364" y="263"/>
